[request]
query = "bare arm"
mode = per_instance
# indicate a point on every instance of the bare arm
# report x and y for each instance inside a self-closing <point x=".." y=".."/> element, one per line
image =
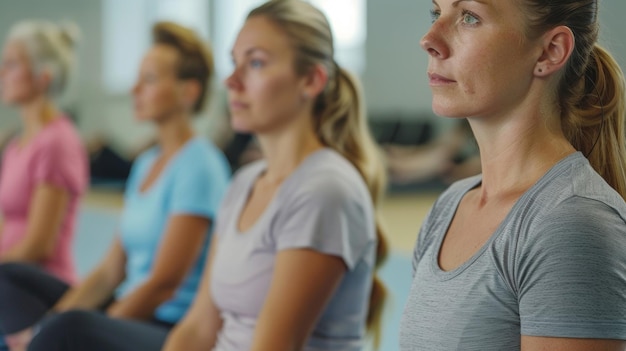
<point x="178" y="251"/>
<point x="534" y="343"/>
<point x="302" y="285"/>
<point x="198" y="329"/>
<point x="47" y="209"/>
<point x="99" y="286"/>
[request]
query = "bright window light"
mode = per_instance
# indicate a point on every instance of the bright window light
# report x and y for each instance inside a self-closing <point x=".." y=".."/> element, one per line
<point x="126" y="34"/>
<point x="347" y="20"/>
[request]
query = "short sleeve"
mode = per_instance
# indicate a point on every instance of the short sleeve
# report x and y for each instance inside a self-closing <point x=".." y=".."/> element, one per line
<point x="418" y="250"/>
<point x="329" y="216"/>
<point x="199" y="186"/>
<point x="56" y="165"/>
<point x="572" y="274"/>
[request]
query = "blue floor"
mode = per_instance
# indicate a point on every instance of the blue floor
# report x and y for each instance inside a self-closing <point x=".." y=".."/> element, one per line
<point x="96" y="228"/>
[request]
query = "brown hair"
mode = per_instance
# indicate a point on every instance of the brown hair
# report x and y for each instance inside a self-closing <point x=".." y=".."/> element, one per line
<point x="339" y="113"/>
<point x="196" y="58"/>
<point x="591" y="90"/>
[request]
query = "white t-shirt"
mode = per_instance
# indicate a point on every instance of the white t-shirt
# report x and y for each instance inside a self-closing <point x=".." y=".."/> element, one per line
<point x="324" y="205"/>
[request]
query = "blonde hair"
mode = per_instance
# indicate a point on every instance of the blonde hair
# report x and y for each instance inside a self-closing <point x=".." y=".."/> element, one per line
<point x="338" y="111"/>
<point x="50" y="47"/>
<point x="196" y="57"/>
<point x="591" y="91"/>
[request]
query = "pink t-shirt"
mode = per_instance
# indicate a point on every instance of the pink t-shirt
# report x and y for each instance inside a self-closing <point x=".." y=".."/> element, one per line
<point x="56" y="156"/>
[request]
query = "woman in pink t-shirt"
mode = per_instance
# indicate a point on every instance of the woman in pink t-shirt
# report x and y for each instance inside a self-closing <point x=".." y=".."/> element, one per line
<point x="44" y="168"/>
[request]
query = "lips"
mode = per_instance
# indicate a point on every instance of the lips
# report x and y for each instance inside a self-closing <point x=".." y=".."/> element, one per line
<point x="237" y="105"/>
<point x="436" y="79"/>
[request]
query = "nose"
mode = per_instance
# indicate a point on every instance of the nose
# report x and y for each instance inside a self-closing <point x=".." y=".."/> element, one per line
<point x="135" y="89"/>
<point x="434" y="41"/>
<point x="233" y="81"/>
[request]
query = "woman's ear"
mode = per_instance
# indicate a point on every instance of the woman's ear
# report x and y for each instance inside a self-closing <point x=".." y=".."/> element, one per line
<point x="315" y="81"/>
<point x="558" y="45"/>
<point x="191" y="91"/>
<point x="43" y="80"/>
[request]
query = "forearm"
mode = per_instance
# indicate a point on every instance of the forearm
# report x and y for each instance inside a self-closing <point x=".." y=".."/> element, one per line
<point x="91" y="294"/>
<point x="278" y="336"/>
<point x="190" y="337"/>
<point x="23" y="252"/>
<point x="278" y="343"/>
<point x="142" y="302"/>
<point x="46" y="212"/>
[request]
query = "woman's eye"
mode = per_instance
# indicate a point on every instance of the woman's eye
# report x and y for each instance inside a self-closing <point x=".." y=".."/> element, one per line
<point x="149" y="78"/>
<point x="470" y="19"/>
<point x="256" y="63"/>
<point x="434" y="15"/>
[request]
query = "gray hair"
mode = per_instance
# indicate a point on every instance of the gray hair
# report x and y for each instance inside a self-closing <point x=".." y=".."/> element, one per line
<point x="50" y="47"/>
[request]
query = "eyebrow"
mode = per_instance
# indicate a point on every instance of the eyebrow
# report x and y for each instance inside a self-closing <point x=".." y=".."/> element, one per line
<point x="456" y="3"/>
<point x="250" y="51"/>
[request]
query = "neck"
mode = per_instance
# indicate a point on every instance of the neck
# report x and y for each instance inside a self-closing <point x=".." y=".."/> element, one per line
<point x="516" y="153"/>
<point x="173" y="134"/>
<point x="284" y="150"/>
<point x="36" y="115"/>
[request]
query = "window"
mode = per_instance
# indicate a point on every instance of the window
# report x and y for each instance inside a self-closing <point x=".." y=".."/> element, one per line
<point x="348" y="22"/>
<point x="347" y="19"/>
<point x="126" y="34"/>
<point x="229" y="18"/>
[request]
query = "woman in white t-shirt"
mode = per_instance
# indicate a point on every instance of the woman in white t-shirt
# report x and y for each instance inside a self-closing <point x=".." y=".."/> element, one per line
<point x="296" y="244"/>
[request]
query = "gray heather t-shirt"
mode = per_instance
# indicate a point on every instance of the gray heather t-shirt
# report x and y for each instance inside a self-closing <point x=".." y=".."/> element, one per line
<point x="324" y="205"/>
<point x="555" y="267"/>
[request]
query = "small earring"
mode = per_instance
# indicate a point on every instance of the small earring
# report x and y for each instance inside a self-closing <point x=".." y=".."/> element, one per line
<point x="305" y="96"/>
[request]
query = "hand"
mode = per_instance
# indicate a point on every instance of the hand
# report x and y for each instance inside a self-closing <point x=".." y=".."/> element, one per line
<point x="421" y="165"/>
<point x="19" y="341"/>
<point x="114" y="310"/>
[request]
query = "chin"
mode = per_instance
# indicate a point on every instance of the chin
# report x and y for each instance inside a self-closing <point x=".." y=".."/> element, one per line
<point x="141" y="118"/>
<point x="10" y="99"/>
<point x="449" y="110"/>
<point x="240" y="126"/>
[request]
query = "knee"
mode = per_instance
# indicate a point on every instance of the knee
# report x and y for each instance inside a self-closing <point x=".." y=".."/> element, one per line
<point x="11" y="269"/>
<point x="7" y="271"/>
<point x="70" y="320"/>
<point x="54" y="330"/>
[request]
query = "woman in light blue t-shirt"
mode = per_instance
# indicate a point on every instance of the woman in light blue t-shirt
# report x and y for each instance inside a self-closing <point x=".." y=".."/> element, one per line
<point x="171" y="200"/>
<point x="296" y="246"/>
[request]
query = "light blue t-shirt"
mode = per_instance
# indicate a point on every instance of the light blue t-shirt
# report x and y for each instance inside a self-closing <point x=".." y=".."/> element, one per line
<point x="193" y="182"/>
<point x="324" y="205"/>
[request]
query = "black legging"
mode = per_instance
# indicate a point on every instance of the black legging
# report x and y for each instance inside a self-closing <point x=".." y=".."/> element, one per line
<point x="27" y="293"/>
<point x="93" y="331"/>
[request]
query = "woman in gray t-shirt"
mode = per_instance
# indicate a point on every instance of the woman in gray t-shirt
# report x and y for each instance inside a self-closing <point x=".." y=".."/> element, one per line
<point x="296" y="241"/>
<point x="531" y="255"/>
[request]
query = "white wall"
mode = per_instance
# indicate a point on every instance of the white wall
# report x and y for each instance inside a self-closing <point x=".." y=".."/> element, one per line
<point x="85" y="14"/>
<point x="613" y="28"/>
<point x="394" y="80"/>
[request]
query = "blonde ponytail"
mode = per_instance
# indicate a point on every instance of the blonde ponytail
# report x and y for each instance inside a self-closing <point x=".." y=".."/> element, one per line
<point x="339" y="114"/>
<point x="341" y="125"/>
<point x="591" y="90"/>
<point x="594" y="118"/>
